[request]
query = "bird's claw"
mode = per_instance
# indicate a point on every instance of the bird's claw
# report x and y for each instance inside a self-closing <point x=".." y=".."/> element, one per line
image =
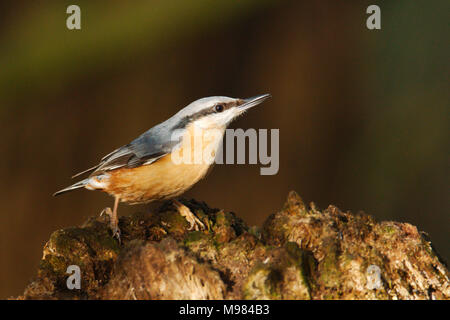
<point x="115" y="232"/>
<point x="194" y="222"/>
<point x="113" y="223"/>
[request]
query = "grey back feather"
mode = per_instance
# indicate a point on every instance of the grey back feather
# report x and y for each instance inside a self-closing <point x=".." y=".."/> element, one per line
<point x="147" y="148"/>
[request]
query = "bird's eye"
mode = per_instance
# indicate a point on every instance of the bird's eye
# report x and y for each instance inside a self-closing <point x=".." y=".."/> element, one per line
<point x="218" y="108"/>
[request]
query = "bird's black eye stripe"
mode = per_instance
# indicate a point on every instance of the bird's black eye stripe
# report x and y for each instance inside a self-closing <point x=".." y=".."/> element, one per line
<point x="219" y="108"/>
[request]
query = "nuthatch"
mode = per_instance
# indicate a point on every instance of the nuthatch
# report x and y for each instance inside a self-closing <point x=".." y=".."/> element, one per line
<point x="144" y="171"/>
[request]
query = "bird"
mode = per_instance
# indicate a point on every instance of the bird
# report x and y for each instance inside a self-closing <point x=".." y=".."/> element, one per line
<point x="162" y="162"/>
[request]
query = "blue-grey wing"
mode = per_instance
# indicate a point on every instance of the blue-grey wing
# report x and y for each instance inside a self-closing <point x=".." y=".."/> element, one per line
<point x="147" y="148"/>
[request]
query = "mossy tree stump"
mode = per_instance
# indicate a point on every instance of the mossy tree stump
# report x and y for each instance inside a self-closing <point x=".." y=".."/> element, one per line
<point x="299" y="253"/>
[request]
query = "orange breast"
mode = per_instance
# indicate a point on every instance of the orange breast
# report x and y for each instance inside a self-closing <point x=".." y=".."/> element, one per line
<point x="160" y="180"/>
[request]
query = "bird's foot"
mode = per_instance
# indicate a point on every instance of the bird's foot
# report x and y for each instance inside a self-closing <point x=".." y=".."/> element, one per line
<point x="194" y="222"/>
<point x="113" y="222"/>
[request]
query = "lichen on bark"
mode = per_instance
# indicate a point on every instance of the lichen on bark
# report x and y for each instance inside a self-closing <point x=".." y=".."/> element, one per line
<point x="300" y="252"/>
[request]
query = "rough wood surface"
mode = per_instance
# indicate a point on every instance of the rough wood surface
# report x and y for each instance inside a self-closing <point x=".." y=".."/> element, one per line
<point x="299" y="253"/>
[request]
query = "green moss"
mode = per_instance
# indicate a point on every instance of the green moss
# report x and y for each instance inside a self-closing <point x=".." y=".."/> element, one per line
<point x="329" y="271"/>
<point x="302" y="261"/>
<point x="54" y="265"/>
<point x="75" y="242"/>
<point x="260" y="284"/>
<point x="223" y="218"/>
<point x="281" y="277"/>
<point x="275" y="230"/>
<point x="255" y="231"/>
<point x="174" y="223"/>
<point x="389" y="230"/>
<point x="294" y="250"/>
<point x="195" y="236"/>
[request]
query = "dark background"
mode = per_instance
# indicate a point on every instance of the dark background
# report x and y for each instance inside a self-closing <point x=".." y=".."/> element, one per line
<point x="363" y="114"/>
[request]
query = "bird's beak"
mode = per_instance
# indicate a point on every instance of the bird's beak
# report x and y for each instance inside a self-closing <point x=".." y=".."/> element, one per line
<point x="253" y="101"/>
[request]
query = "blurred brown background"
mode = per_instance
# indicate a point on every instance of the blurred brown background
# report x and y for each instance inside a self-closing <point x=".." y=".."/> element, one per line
<point x="363" y="115"/>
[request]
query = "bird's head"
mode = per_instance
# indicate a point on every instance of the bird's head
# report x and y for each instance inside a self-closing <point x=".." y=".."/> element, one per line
<point x="216" y="112"/>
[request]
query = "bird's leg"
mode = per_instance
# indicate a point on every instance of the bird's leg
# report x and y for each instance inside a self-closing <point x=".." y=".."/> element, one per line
<point x="113" y="220"/>
<point x="194" y="222"/>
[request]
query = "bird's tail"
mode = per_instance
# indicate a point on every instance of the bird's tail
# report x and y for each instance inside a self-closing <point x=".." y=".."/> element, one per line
<point x="77" y="185"/>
